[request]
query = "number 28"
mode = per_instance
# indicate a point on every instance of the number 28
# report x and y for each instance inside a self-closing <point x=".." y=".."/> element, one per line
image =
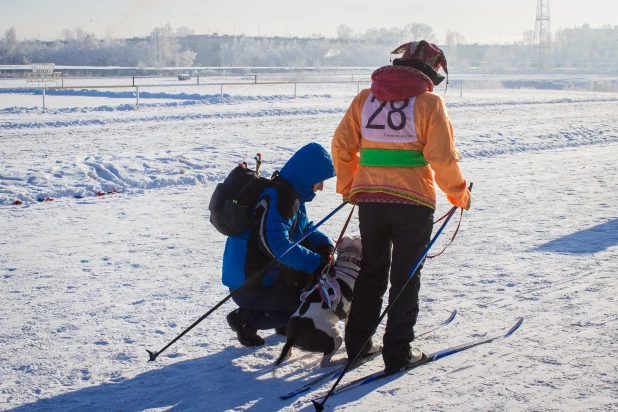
<point x="389" y="118"/>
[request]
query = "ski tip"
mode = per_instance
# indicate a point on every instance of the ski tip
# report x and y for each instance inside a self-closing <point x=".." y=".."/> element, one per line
<point x="515" y="327"/>
<point x="152" y="355"/>
<point x="318" y="406"/>
<point x="450" y="318"/>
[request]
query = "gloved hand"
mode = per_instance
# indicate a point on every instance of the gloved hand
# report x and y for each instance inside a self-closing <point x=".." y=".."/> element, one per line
<point x="325" y="249"/>
<point x="469" y="201"/>
<point x="460" y="202"/>
<point x="469" y="196"/>
<point x="317" y="274"/>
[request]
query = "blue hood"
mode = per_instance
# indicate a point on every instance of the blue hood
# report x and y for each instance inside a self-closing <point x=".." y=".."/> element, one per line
<point x="311" y="164"/>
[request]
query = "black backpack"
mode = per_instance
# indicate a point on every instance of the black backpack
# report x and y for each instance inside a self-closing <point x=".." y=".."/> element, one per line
<point x="231" y="202"/>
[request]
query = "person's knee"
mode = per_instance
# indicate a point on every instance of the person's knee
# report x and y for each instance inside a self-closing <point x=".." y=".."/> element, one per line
<point x="371" y="284"/>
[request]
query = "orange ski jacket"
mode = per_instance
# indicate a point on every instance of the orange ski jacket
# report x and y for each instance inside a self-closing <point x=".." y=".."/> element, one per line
<point x="398" y="148"/>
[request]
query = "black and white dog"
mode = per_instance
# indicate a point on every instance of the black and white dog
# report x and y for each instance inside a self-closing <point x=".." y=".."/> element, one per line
<point x="314" y="325"/>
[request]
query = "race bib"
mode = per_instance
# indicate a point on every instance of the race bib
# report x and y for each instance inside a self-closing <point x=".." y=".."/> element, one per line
<point x="391" y="122"/>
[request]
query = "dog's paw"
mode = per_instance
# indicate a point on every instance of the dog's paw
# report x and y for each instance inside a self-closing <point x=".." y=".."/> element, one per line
<point x="325" y="363"/>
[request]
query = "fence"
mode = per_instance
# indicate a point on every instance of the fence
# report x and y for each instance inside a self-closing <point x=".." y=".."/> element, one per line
<point x="246" y="80"/>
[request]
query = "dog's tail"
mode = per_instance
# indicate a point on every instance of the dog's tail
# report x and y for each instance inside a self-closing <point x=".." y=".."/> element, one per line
<point x="284" y="352"/>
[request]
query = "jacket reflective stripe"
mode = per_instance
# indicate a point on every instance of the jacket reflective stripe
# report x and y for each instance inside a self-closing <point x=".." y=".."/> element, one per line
<point x="392" y="158"/>
<point x="262" y="231"/>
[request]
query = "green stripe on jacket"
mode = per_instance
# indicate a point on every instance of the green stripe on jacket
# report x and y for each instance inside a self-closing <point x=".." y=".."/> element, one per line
<point x="392" y="158"/>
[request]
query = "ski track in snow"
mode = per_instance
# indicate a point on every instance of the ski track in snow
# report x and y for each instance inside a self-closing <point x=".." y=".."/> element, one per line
<point x="88" y="284"/>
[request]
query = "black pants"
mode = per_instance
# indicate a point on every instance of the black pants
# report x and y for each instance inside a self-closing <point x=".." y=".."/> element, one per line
<point x="404" y="230"/>
<point x="268" y="307"/>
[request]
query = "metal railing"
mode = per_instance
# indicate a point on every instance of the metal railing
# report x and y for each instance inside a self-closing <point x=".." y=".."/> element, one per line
<point x="251" y="80"/>
<point x="208" y="81"/>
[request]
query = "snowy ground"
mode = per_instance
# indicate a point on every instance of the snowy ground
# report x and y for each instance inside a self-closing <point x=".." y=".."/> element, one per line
<point x="89" y="282"/>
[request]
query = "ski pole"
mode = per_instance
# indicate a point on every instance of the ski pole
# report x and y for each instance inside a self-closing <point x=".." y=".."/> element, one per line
<point x="153" y="355"/>
<point x="345" y="226"/>
<point x="319" y="406"/>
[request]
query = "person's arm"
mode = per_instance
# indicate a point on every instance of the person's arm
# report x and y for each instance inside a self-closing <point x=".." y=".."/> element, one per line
<point x="345" y="148"/>
<point x="274" y="238"/>
<point x="443" y="157"/>
<point x="319" y="242"/>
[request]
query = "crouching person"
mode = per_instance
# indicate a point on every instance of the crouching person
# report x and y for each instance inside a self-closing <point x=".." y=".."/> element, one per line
<point x="269" y="301"/>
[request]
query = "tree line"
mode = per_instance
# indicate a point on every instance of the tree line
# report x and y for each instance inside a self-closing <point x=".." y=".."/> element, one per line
<point x="163" y="47"/>
<point x="77" y="47"/>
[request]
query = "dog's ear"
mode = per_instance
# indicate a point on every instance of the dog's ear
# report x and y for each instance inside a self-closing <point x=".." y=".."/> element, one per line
<point x="358" y="244"/>
<point x="346" y="242"/>
<point x="351" y="243"/>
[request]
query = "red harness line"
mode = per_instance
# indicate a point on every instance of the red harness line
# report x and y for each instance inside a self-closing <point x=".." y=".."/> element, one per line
<point x="326" y="280"/>
<point x="341" y="236"/>
<point x="454" y="234"/>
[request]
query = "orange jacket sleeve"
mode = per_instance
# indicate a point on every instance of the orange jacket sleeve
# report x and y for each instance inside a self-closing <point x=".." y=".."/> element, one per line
<point x="443" y="157"/>
<point x="345" y="146"/>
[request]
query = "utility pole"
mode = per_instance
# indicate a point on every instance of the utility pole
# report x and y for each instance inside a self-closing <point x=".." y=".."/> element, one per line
<point x="542" y="33"/>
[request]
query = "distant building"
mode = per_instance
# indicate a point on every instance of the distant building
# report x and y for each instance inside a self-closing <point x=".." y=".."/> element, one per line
<point x="207" y="47"/>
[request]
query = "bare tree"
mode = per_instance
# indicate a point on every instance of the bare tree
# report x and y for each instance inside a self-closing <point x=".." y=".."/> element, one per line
<point x="420" y="31"/>
<point x="528" y="37"/>
<point x="162" y="49"/>
<point x="184" y="31"/>
<point x="344" y="32"/>
<point x="581" y="43"/>
<point x="8" y="44"/>
<point x="67" y="35"/>
<point x="454" y="38"/>
<point x="383" y="34"/>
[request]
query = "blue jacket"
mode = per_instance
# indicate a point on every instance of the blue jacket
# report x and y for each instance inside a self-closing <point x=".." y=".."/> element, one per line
<point x="283" y="221"/>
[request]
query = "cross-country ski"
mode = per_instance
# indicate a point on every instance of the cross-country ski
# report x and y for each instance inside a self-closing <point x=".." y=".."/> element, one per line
<point x="432" y="357"/>
<point x="333" y="374"/>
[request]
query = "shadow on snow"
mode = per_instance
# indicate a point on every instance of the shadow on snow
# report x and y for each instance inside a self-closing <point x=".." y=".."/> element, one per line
<point x="588" y="241"/>
<point x="210" y="383"/>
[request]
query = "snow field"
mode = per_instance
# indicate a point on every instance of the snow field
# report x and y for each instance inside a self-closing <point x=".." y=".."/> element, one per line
<point x="88" y="284"/>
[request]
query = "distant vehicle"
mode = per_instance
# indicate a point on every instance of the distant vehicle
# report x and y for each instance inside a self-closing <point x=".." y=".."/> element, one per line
<point x="184" y="77"/>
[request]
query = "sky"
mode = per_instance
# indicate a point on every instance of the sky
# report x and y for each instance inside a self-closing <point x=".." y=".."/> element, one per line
<point x="480" y="21"/>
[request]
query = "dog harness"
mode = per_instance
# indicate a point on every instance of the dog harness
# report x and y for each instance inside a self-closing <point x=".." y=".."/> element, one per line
<point x="327" y="282"/>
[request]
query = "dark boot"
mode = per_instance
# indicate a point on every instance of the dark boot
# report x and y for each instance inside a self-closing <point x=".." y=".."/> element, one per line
<point x="246" y="335"/>
<point x="371" y="348"/>
<point x="282" y="331"/>
<point x="414" y="355"/>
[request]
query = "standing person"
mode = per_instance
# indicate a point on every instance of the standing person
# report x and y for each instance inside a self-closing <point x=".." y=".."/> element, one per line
<point x="270" y="300"/>
<point x="391" y="144"/>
